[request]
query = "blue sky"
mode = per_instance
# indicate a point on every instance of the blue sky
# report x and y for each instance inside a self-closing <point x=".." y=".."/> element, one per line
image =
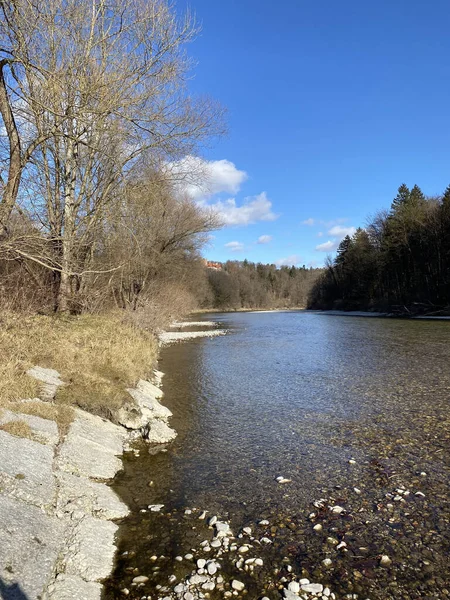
<point x="331" y="106"/>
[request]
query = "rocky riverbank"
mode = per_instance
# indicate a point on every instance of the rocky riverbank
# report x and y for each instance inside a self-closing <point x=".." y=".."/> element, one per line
<point x="57" y="511"/>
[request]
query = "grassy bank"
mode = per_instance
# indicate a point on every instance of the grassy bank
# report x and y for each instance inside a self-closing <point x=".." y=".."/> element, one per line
<point x="98" y="356"/>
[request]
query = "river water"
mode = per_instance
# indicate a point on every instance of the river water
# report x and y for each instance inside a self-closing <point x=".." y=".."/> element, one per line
<point x="349" y="409"/>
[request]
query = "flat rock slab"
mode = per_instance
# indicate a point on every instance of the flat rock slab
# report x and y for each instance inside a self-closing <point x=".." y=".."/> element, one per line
<point x="89" y="459"/>
<point x="95" y="429"/>
<point x="44" y="429"/>
<point x="49" y="378"/>
<point x="71" y="587"/>
<point x="96" y="499"/>
<point x="91" y="551"/>
<point x="29" y="546"/>
<point x="91" y="446"/>
<point x="26" y="470"/>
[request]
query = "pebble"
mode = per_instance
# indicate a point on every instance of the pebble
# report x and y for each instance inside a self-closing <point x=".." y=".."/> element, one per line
<point x="313" y="588"/>
<point x="237" y="585"/>
<point x="201" y="563"/>
<point x="385" y="561"/>
<point x="212" y="521"/>
<point x="337" y="509"/>
<point x="212" y="568"/>
<point x="264" y="522"/>
<point x="294" y="586"/>
<point x="140" y="579"/>
<point x="318" y="527"/>
<point x="155" y="507"/>
<point x="327" y="562"/>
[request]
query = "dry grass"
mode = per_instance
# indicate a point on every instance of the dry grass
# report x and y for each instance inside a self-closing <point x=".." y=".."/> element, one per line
<point x="96" y="355"/>
<point x="61" y="413"/>
<point x="18" y="428"/>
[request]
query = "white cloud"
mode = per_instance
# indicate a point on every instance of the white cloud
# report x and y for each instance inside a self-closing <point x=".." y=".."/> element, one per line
<point x="329" y="246"/>
<point x="341" y="232"/>
<point x="320" y="234"/>
<point x="235" y="246"/>
<point x="254" y="209"/>
<point x="310" y="222"/>
<point x="289" y="261"/>
<point x="201" y="179"/>
<point x="265" y="239"/>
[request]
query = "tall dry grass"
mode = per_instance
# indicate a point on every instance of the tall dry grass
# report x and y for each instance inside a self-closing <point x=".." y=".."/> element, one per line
<point x="98" y="356"/>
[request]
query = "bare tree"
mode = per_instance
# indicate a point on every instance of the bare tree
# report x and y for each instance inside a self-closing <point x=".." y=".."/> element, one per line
<point x="93" y="86"/>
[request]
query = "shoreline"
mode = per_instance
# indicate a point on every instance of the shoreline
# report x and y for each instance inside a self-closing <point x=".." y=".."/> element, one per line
<point x="58" y="512"/>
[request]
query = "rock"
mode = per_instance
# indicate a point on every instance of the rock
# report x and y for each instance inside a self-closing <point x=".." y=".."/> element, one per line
<point x="95" y="499"/>
<point x="243" y="549"/>
<point x="71" y="587"/>
<point x="337" y="509"/>
<point x="26" y="470"/>
<point x="155" y="507"/>
<point x="130" y="416"/>
<point x="140" y="579"/>
<point x="212" y="568"/>
<point x="212" y="521"/>
<point x="201" y="563"/>
<point x="49" y="377"/>
<point x="385" y="561"/>
<point x="92" y="549"/>
<point x="312" y="588"/>
<point x="288" y="595"/>
<point x="44" y="429"/>
<point x="266" y="540"/>
<point x="263" y="522"/>
<point x="247" y="530"/>
<point x="30" y="542"/>
<point x="91" y="447"/>
<point x="223" y="529"/>
<point x="259" y="562"/>
<point x="294" y="586"/>
<point x="327" y="562"/>
<point x="237" y="585"/>
<point x="318" y="527"/>
<point x="158" y="432"/>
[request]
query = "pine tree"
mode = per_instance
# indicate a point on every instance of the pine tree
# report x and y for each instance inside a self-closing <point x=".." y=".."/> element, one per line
<point x="416" y="196"/>
<point x="401" y="198"/>
<point x="343" y="249"/>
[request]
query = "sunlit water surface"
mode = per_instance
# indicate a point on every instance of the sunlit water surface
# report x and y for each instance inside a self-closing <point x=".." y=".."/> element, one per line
<point x="295" y="394"/>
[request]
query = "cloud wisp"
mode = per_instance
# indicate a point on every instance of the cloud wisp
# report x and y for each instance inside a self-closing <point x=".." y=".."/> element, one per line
<point x="265" y="239"/>
<point x="235" y="246"/>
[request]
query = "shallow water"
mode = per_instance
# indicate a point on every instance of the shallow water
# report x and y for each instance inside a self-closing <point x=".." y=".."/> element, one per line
<point x="300" y="394"/>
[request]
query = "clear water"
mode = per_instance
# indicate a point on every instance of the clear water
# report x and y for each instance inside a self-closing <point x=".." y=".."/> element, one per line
<point x="299" y="394"/>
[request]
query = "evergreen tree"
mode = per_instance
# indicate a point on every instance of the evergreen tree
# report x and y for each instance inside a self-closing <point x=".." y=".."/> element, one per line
<point x="401" y="198"/>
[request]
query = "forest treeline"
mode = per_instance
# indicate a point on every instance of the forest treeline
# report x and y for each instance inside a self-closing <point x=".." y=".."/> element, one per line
<point x="95" y="121"/>
<point x="399" y="262"/>
<point x="249" y="285"/>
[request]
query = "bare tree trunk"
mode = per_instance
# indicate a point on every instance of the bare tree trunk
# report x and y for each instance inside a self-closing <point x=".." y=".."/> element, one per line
<point x="68" y="242"/>
<point x="11" y="188"/>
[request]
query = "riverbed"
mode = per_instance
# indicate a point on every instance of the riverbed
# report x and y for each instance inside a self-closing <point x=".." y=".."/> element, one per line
<point x="351" y="413"/>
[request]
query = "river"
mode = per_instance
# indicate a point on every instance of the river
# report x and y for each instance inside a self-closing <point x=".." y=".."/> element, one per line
<point x="351" y="411"/>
